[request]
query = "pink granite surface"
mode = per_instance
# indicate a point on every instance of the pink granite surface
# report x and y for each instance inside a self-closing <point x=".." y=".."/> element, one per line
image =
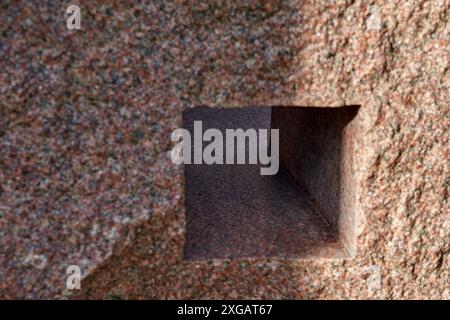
<point x="85" y="120"/>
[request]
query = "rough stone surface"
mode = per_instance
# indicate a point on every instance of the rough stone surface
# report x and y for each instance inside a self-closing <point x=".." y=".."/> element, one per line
<point x="85" y="120"/>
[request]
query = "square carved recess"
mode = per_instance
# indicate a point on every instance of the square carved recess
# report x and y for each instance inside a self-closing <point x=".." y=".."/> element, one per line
<point x="306" y="210"/>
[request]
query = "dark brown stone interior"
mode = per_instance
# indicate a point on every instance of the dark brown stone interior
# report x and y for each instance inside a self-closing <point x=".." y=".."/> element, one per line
<point x="317" y="149"/>
<point x="306" y="210"/>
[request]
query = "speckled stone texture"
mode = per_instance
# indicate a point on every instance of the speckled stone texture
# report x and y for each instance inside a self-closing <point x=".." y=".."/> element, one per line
<point x="86" y="116"/>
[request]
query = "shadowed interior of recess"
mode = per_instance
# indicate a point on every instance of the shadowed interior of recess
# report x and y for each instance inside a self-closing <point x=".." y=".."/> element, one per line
<point x="305" y="210"/>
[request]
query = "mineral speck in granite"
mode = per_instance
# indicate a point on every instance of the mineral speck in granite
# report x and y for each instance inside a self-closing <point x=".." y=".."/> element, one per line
<point x="86" y="116"/>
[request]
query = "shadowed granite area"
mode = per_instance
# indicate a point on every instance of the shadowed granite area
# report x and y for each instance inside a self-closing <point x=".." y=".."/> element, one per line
<point x="317" y="149"/>
<point x="233" y="211"/>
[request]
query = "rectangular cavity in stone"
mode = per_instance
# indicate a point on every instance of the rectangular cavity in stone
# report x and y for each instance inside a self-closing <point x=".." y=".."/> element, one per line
<point x="233" y="211"/>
